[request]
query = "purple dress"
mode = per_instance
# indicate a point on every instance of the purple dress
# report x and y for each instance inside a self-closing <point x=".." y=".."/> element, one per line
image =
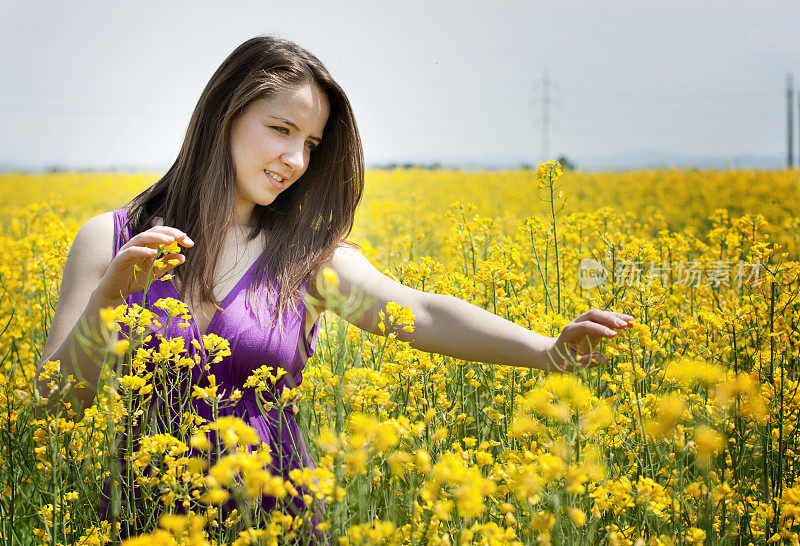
<point x="252" y="345"/>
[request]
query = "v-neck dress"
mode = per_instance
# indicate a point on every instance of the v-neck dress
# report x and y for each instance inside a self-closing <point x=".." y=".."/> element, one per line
<point x="252" y="344"/>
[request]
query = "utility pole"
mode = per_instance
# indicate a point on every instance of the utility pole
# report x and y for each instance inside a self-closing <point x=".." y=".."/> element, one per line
<point x="789" y="122"/>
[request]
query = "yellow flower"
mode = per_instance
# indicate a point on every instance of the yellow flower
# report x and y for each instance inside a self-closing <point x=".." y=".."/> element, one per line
<point x="542" y="521"/>
<point x="523" y="426"/>
<point x="569" y="389"/>
<point x="548" y="171"/>
<point x="483" y="458"/>
<point x="265" y="377"/>
<point x="108" y="316"/>
<point x="174" y="523"/>
<point x="396" y="315"/>
<point x="217" y="347"/>
<point x="50" y="370"/>
<point x="121" y="347"/>
<point x="576" y="516"/>
<point x="552" y="467"/>
<point x="399" y="462"/>
<point x="670" y="410"/>
<point x="423" y="460"/>
<point x="708" y="442"/>
<point x="234" y="431"/>
<point x="170" y="248"/>
<point x="330" y="277"/>
<point x="695" y="536"/>
<point x="132" y="382"/>
<point x="689" y="371"/>
<point x="172" y="306"/>
<point x="208" y="394"/>
<point x="200" y="441"/>
<point x="328" y="441"/>
<point x="355" y="462"/>
<point x="599" y="418"/>
<point x="385" y="437"/>
<point x="215" y="496"/>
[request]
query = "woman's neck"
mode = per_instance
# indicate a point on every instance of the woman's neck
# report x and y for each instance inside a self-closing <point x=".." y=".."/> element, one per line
<point x="242" y="220"/>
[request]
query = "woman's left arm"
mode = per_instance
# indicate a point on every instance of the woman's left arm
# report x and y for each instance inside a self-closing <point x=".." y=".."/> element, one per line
<point x="450" y="326"/>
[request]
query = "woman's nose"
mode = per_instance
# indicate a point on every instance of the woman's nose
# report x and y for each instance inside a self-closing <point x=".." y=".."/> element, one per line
<point x="293" y="157"/>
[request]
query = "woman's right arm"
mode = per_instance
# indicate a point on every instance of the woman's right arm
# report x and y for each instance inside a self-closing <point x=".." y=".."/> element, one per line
<point x="94" y="278"/>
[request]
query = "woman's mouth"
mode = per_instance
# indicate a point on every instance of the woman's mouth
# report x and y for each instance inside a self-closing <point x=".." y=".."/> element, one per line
<point x="276" y="180"/>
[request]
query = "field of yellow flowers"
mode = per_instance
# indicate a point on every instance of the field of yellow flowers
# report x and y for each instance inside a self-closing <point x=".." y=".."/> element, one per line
<point x="687" y="435"/>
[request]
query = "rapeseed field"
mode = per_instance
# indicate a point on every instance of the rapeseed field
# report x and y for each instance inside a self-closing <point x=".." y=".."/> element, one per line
<point x="688" y="434"/>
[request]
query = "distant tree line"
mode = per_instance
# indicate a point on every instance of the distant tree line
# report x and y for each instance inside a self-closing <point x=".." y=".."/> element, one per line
<point x="566" y="165"/>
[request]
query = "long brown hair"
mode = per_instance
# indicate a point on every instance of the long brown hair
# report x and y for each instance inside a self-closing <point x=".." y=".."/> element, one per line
<point x="305" y="223"/>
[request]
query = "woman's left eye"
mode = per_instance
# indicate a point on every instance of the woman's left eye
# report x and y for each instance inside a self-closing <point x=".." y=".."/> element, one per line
<point x="284" y="131"/>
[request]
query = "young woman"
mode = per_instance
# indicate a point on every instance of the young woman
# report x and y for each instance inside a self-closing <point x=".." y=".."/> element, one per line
<point x="263" y="194"/>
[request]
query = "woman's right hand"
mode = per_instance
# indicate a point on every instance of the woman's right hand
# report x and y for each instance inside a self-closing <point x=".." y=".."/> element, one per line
<point x="122" y="277"/>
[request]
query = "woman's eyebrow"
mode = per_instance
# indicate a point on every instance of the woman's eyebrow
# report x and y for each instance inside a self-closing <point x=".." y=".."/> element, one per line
<point x="295" y="127"/>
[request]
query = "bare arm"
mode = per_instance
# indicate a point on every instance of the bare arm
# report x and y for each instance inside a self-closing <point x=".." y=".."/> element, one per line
<point x="462" y="330"/>
<point x="77" y="312"/>
<point x="450" y="326"/>
<point x="458" y="328"/>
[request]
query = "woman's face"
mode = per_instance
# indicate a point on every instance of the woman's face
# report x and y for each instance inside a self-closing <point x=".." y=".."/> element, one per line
<point x="271" y="143"/>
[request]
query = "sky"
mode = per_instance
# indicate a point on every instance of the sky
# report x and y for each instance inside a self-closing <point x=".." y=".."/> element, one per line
<point x="90" y="84"/>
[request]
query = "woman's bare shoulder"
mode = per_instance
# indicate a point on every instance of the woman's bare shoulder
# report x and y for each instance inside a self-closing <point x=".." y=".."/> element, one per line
<point x="97" y="230"/>
<point x="95" y="240"/>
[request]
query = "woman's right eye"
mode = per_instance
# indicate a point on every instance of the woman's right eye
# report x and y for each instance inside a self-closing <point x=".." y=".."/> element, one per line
<point x="282" y="130"/>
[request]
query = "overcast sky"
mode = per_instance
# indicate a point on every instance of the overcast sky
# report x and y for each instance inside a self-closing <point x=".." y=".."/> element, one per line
<point x="97" y="84"/>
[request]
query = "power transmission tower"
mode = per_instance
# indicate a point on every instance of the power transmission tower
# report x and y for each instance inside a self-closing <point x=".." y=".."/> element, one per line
<point x="789" y="122"/>
<point x="546" y="116"/>
<point x="547" y="102"/>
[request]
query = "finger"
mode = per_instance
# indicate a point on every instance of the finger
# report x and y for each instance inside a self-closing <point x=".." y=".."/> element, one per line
<point x="153" y="240"/>
<point x="173" y="234"/>
<point x="595" y="315"/>
<point x="136" y="253"/>
<point x="179" y="235"/>
<point x="626" y="319"/>
<point x="579" y="331"/>
<point x="145" y="239"/>
<point x="168" y="230"/>
<point x="607" y="318"/>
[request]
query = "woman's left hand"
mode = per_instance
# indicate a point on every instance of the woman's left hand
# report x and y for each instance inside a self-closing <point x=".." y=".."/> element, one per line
<point x="574" y="347"/>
